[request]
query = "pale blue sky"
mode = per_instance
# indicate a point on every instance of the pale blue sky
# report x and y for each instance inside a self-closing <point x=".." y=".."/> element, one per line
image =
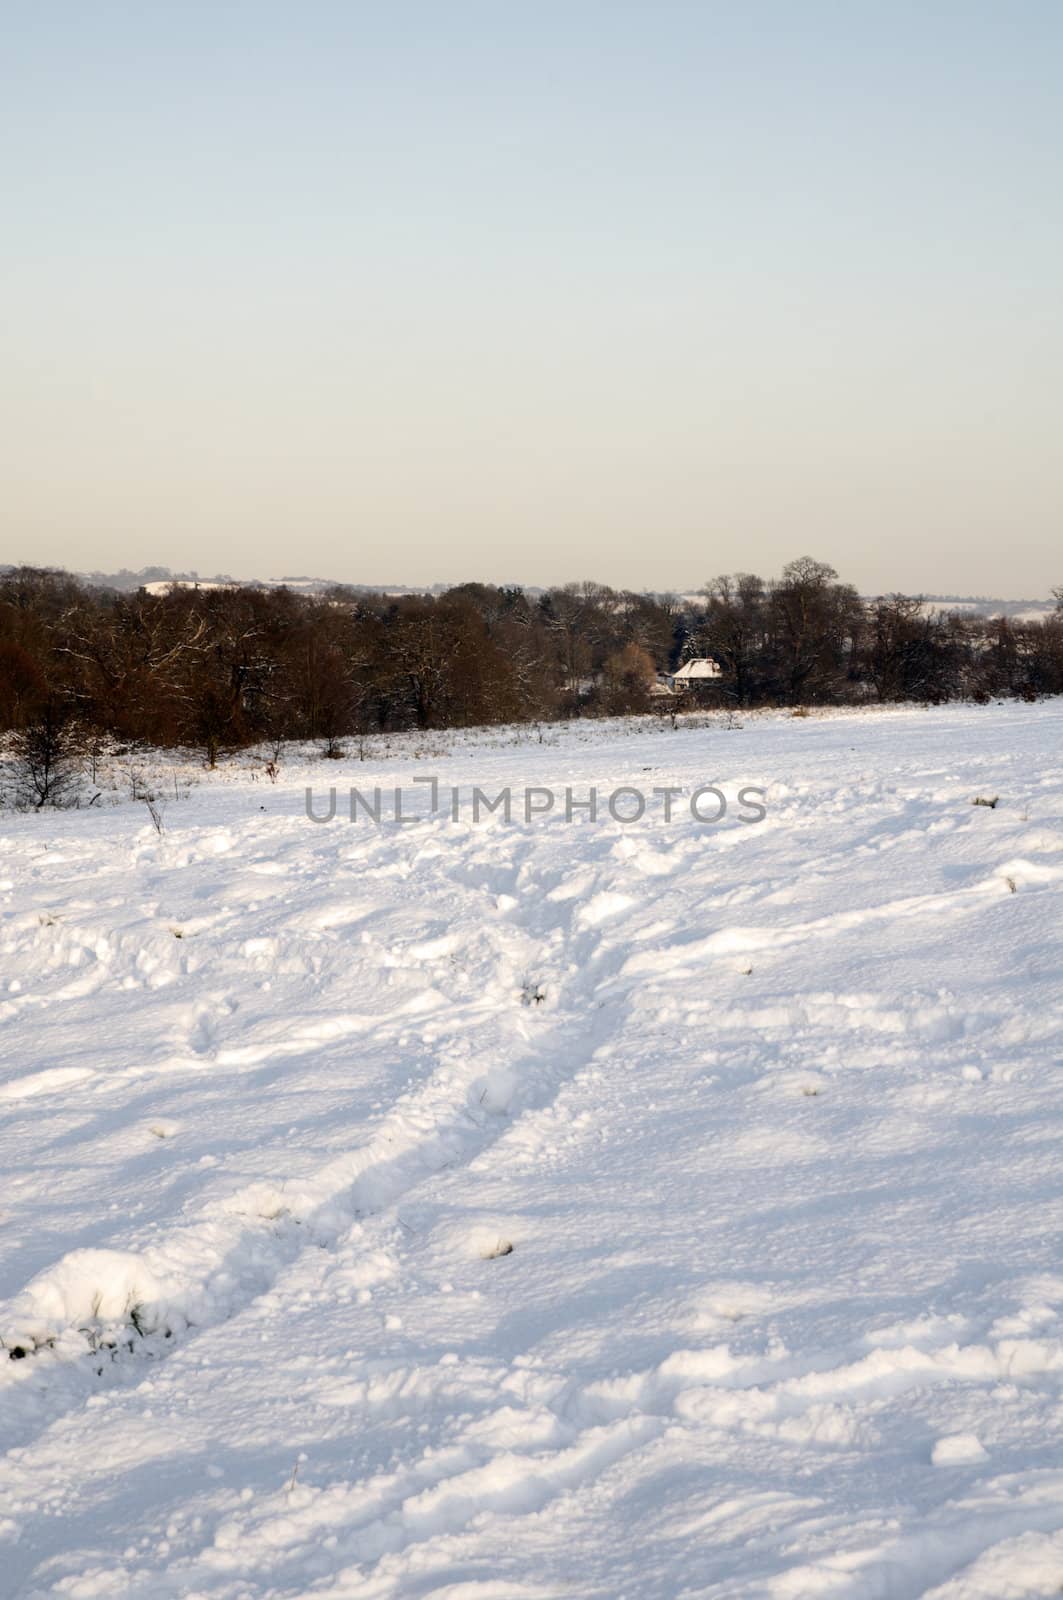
<point x="535" y="292"/>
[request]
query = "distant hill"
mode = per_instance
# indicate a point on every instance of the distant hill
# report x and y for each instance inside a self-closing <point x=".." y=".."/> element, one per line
<point x="156" y="580"/>
<point x="979" y="606"/>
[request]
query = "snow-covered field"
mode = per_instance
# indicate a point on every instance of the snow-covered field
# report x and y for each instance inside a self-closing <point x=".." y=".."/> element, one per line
<point x="540" y="1210"/>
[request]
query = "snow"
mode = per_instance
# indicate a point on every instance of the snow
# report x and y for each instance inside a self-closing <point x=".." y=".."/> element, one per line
<point x="959" y="1450"/>
<point x="504" y="1211"/>
<point x="164" y="585"/>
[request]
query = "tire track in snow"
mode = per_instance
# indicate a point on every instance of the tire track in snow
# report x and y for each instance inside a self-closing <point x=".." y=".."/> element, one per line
<point x="88" y="1321"/>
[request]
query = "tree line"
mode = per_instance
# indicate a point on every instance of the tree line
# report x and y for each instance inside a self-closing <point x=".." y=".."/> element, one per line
<point x="222" y="668"/>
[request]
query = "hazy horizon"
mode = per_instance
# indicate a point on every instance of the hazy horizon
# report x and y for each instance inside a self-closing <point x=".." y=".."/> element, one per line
<point x="643" y="293"/>
<point x="156" y="573"/>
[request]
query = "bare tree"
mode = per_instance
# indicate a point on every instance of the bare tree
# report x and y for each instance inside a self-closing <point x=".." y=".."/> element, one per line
<point x="46" y="753"/>
<point x="735" y="626"/>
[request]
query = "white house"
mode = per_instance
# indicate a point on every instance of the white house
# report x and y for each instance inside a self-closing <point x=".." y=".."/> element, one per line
<point x="695" y="671"/>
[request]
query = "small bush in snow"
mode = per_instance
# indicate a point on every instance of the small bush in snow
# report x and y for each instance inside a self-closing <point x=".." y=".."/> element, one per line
<point x="46" y="753"/>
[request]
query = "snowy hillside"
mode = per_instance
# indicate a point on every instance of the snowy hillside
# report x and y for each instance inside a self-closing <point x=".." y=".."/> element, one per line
<point x="542" y="1210"/>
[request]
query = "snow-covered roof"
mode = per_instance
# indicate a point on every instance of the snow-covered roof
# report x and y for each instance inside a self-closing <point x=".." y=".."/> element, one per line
<point x="699" y="667"/>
